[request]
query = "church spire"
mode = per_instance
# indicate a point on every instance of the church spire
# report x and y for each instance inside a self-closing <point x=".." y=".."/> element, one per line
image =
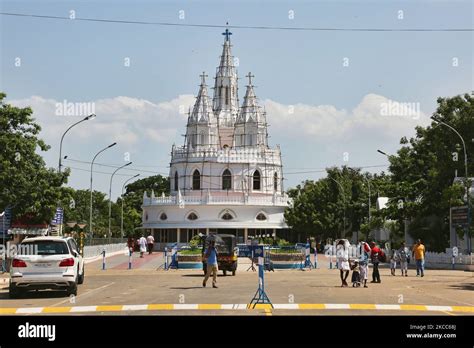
<point x="225" y="102"/>
<point x="202" y="125"/>
<point x="251" y="125"/>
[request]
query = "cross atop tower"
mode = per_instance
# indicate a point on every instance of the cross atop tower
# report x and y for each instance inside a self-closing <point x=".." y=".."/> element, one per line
<point x="203" y="78"/>
<point x="249" y="75"/>
<point x="227" y="34"/>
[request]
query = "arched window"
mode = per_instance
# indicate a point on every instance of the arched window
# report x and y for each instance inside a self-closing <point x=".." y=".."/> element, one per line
<point x="196" y="180"/>
<point x="226" y="180"/>
<point x="275" y="181"/>
<point x="261" y="217"/>
<point x="256" y="180"/>
<point x="163" y="216"/>
<point x="227" y="216"/>
<point x="192" y="216"/>
<point x="176" y="178"/>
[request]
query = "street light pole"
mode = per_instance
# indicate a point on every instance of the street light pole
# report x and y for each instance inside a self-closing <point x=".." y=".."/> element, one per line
<point x="92" y="164"/>
<point x="90" y="117"/>
<point x="110" y="195"/>
<point x="466" y="180"/>
<point x="344" y="199"/>
<point x="123" y="187"/>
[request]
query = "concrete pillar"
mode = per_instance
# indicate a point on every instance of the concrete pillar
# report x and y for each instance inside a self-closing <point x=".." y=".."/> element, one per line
<point x="207" y="231"/>
<point x="178" y="233"/>
<point x="245" y="234"/>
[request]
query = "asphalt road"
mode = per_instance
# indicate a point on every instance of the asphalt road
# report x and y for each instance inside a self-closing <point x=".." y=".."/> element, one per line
<point x="147" y="284"/>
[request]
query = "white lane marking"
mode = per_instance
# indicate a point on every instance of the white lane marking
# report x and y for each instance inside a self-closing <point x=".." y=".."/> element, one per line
<point x="234" y="306"/>
<point x="83" y="309"/>
<point x="81" y="296"/>
<point x="134" y="307"/>
<point x="32" y="310"/>
<point x="337" y="306"/>
<point x="185" y="306"/>
<point x="440" y="308"/>
<point x="387" y="306"/>
<point x="286" y="306"/>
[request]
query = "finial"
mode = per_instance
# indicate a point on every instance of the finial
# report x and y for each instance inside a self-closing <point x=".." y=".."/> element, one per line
<point x="249" y="75"/>
<point x="227" y="33"/>
<point x="203" y="78"/>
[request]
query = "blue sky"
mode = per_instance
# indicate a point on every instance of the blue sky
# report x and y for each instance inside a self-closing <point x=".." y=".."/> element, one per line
<point x="336" y="108"/>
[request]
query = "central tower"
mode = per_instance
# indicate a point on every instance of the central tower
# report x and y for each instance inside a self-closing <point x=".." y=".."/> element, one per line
<point x="226" y="100"/>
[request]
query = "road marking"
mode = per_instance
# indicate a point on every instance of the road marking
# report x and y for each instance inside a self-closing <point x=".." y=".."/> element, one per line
<point x="78" y="297"/>
<point x="237" y="306"/>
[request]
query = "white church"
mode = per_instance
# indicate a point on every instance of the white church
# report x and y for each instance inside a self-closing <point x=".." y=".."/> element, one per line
<point x="225" y="178"/>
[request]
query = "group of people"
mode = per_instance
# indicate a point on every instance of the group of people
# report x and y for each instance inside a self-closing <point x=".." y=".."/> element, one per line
<point x="371" y="252"/>
<point x="144" y="244"/>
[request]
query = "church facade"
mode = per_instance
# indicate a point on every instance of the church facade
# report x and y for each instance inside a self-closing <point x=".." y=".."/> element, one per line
<point x="225" y="178"/>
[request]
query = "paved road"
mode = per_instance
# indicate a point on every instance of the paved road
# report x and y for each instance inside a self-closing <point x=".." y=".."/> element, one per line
<point x="147" y="284"/>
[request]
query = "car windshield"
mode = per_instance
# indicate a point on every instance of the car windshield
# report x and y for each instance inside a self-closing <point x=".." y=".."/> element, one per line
<point x="46" y="247"/>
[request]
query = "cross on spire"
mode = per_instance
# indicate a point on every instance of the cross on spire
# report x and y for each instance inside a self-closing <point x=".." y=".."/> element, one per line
<point x="203" y="78"/>
<point x="249" y="75"/>
<point x="227" y="34"/>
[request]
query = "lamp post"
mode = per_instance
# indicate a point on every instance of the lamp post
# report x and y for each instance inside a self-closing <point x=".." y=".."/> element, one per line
<point x="90" y="117"/>
<point x="466" y="179"/>
<point x="110" y="195"/>
<point x="344" y="199"/>
<point x="92" y="164"/>
<point x="123" y="187"/>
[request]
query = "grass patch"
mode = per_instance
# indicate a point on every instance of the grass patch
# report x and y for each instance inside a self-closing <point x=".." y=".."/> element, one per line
<point x="190" y="252"/>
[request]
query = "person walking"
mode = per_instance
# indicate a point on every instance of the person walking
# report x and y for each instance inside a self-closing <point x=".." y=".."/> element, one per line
<point x="404" y="257"/>
<point x="374" y="254"/>
<point x="130" y="244"/>
<point x="342" y="255"/>
<point x="418" y="253"/>
<point x="142" y="243"/>
<point x="150" y="243"/>
<point x="364" y="262"/>
<point x="211" y="258"/>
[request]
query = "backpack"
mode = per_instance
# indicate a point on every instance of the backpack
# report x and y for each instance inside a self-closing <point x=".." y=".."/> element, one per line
<point x="382" y="257"/>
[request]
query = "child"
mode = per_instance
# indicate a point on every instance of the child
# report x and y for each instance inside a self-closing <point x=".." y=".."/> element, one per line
<point x="393" y="262"/>
<point x="355" y="274"/>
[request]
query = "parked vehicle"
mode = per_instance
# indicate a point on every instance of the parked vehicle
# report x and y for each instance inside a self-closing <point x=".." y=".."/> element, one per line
<point x="46" y="263"/>
<point x="226" y="245"/>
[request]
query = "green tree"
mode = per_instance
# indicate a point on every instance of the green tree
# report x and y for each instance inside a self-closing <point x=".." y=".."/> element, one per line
<point x="133" y="200"/>
<point x="25" y="183"/>
<point x="423" y="170"/>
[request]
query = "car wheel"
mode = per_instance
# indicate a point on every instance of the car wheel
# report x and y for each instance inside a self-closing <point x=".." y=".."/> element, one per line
<point x="233" y="273"/>
<point x="72" y="290"/>
<point x="80" y="279"/>
<point x="14" y="292"/>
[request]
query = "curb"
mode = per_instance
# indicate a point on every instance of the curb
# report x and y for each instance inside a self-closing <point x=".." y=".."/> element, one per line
<point x="241" y="306"/>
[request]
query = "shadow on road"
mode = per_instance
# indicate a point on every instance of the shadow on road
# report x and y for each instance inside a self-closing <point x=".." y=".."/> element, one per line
<point x="35" y="295"/>
<point x="465" y="286"/>
<point x="188" y="288"/>
<point x="201" y="275"/>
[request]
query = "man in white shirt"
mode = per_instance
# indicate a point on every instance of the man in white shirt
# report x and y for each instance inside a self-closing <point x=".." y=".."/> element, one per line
<point x="142" y="243"/>
<point x="150" y="242"/>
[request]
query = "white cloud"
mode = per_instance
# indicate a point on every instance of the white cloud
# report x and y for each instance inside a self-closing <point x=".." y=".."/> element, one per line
<point x="326" y="121"/>
<point x="139" y="122"/>
<point x="127" y="119"/>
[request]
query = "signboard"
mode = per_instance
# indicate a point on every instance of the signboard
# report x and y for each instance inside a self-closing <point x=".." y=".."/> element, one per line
<point x="460" y="216"/>
<point x="455" y="251"/>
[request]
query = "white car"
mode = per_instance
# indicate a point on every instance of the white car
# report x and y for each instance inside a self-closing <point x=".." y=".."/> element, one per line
<point x="46" y="263"/>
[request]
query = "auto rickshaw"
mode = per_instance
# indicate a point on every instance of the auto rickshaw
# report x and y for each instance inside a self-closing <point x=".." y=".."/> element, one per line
<point x="227" y="252"/>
